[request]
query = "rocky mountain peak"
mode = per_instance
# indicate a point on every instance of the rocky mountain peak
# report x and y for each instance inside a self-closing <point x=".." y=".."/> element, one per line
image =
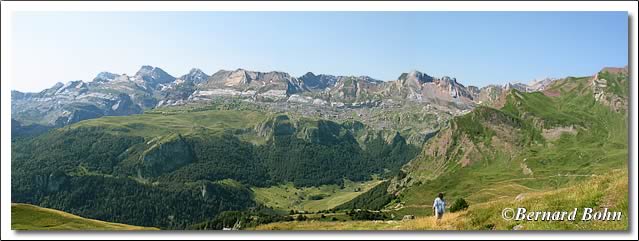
<point x="105" y="77"/>
<point x="449" y="80"/>
<point x="517" y="86"/>
<point x="145" y="69"/>
<point x="415" y="77"/>
<point x="57" y="85"/>
<point x="153" y="76"/>
<point x="195" y="75"/>
<point x="540" y="84"/>
<point x="71" y="86"/>
<point x="318" y="82"/>
<point x="309" y="75"/>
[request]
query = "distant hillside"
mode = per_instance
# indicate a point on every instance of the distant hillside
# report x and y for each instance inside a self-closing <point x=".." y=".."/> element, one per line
<point x="31" y="217"/>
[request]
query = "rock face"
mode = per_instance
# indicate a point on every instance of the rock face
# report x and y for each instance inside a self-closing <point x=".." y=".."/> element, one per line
<point x="121" y="94"/>
<point x="68" y="103"/>
<point x="490" y="95"/>
<point x="518" y="86"/>
<point x="107" y="94"/>
<point x="459" y="146"/>
<point x="166" y="154"/>
<point x="420" y="87"/>
<point x="56" y="181"/>
<point x="279" y="125"/>
<point x="318" y="82"/>
<point x="195" y="76"/>
<point x="608" y="87"/>
<point x="51" y="182"/>
<point x="152" y="76"/>
<point x="541" y="84"/>
<point x="150" y="87"/>
<point x="351" y="88"/>
<point x="273" y="82"/>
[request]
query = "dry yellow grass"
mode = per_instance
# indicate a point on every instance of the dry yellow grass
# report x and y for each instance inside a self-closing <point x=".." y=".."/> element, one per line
<point x="448" y="222"/>
<point x="31" y="217"/>
<point x="610" y="191"/>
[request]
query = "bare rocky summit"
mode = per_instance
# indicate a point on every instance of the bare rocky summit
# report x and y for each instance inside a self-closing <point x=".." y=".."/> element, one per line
<point x="121" y="94"/>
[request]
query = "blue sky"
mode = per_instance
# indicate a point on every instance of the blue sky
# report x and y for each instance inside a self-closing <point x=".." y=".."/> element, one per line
<point x="478" y="48"/>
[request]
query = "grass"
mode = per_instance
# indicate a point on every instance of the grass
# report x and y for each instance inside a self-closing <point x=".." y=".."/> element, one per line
<point x="163" y="123"/>
<point x="31" y="217"/>
<point x="599" y="145"/>
<point x="598" y="192"/>
<point x="288" y="197"/>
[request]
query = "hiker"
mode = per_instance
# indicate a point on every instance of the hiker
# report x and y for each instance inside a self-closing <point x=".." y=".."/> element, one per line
<point x="438" y="206"/>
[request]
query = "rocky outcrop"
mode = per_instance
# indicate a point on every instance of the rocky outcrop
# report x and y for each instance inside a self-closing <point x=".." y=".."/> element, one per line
<point x="491" y="95"/>
<point x="153" y="76"/>
<point x="461" y="144"/>
<point x="278" y="125"/>
<point x="63" y="104"/>
<point x="353" y="89"/>
<point x="420" y="87"/>
<point x="609" y="88"/>
<point x="541" y="84"/>
<point x="52" y="182"/>
<point x="121" y="94"/>
<point x="195" y="76"/>
<point x="318" y="82"/>
<point x="263" y="83"/>
<point x="165" y="154"/>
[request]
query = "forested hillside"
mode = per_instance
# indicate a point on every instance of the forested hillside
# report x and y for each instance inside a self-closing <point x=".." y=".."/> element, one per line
<point x="165" y="170"/>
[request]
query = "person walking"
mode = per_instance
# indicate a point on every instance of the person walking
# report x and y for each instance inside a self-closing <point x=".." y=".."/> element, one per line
<point x="439" y="206"/>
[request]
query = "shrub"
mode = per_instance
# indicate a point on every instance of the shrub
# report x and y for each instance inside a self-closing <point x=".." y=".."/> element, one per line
<point x="458" y="205"/>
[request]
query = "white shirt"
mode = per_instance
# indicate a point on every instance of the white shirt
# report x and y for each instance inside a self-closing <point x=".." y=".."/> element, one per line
<point x="439" y="205"/>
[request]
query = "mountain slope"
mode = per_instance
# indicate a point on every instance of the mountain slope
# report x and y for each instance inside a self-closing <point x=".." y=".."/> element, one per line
<point x="562" y="148"/>
<point x="605" y="191"/>
<point x="110" y="94"/>
<point x="212" y="144"/>
<point x="422" y="87"/>
<point x="30" y="217"/>
<point x="269" y="86"/>
<point x="119" y="168"/>
<point x="534" y="141"/>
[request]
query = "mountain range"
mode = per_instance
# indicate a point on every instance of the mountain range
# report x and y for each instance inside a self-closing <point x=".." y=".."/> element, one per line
<point x="205" y="151"/>
<point x="110" y="94"/>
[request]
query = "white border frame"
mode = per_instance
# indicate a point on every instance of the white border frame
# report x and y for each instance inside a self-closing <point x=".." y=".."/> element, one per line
<point x="8" y="8"/>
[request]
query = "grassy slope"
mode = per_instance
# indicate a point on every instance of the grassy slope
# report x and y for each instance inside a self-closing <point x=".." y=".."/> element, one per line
<point x="30" y="217"/>
<point x="605" y="191"/>
<point x="599" y="145"/>
<point x="158" y="124"/>
<point x="287" y="197"/>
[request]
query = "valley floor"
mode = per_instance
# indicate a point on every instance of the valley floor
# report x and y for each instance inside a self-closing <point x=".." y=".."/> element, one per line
<point x="288" y="197"/>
